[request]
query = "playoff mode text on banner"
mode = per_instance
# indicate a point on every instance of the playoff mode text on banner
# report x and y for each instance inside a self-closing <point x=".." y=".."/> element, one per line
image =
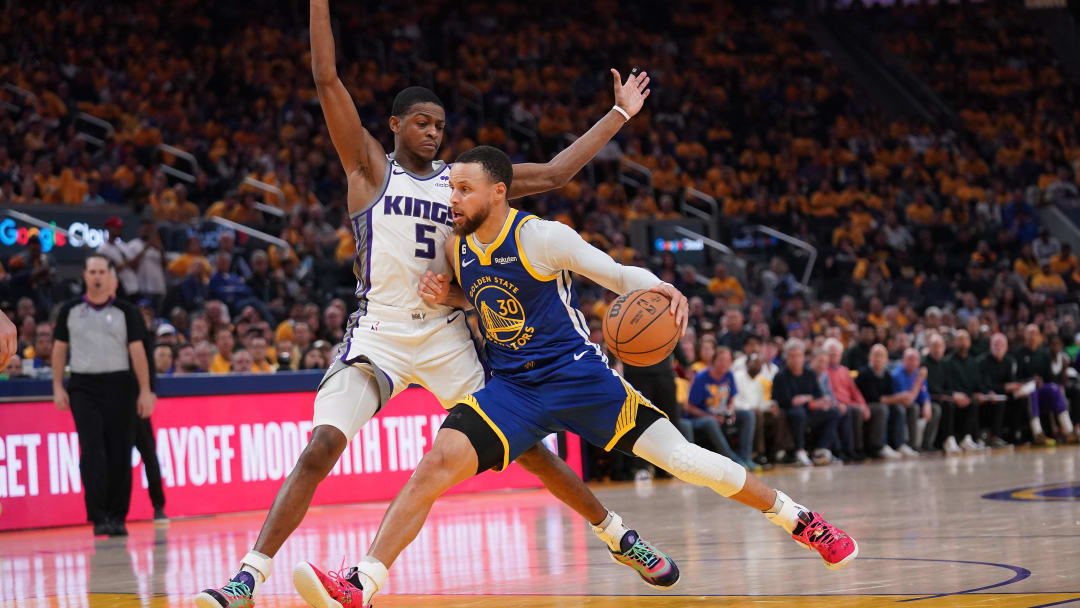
<point x="225" y="453"/>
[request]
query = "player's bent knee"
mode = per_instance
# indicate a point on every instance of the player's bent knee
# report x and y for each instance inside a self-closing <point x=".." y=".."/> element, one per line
<point x="322" y="451"/>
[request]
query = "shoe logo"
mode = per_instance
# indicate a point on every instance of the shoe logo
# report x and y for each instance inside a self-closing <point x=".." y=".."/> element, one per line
<point x="464" y="264"/>
<point x="580" y="355"/>
<point x="453" y="318"/>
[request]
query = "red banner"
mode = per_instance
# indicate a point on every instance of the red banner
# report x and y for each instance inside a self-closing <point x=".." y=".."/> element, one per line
<point x="225" y="453"/>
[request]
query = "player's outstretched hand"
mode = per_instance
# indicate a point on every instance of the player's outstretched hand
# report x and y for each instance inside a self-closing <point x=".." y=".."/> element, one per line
<point x="9" y="339"/>
<point x="630" y="95"/>
<point x="434" y="288"/>
<point x="679" y="306"/>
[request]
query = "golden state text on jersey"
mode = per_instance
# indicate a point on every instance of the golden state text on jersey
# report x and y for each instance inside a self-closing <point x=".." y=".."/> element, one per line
<point x="530" y="321"/>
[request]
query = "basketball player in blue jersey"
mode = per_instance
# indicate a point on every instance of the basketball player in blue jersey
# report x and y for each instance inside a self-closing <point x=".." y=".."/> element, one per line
<point x="400" y="210"/>
<point x="515" y="270"/>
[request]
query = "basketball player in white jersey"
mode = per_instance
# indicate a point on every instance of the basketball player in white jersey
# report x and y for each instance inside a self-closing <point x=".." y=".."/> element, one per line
<point x="400" y="211"/>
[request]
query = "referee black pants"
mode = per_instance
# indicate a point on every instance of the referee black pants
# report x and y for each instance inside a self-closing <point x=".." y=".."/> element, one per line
<point x="658" y="388"/>
<point x="103" y="406"/>
<point x="147" y="446"/>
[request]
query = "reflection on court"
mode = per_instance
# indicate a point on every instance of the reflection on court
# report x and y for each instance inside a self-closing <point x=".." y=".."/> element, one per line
<point x="927" y="538"/>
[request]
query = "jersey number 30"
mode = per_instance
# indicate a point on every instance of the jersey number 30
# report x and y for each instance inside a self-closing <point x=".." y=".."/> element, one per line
<point x="427" y="244"/>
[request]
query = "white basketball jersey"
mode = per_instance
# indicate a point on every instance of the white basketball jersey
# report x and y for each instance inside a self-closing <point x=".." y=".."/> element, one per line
<point x="402" y="235"/>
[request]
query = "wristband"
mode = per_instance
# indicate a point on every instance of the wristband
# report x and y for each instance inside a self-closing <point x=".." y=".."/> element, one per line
<point x="621" y="111"/>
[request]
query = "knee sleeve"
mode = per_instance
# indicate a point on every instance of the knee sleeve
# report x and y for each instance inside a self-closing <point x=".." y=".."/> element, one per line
<point x="347" y="399"/>
<point x="664" y="446"/>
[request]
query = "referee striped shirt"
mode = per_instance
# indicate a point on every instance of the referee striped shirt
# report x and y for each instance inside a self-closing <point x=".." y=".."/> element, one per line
<point x="98" y="336"/>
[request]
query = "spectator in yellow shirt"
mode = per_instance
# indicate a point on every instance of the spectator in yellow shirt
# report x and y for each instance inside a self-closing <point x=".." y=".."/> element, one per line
<point x="824" y="202"/>
<point x="1026" y="265"/>
<point x="1048" y="282"/>
<point x="620" y="252"/>
<point x="920" y="212"/>
<point x="222" y="361"/>
<point x="726" y="286"/>
<point x="1064" y="262"/>
<point x="260" y="355"/>
<point x="845" y="231"/>
<point x="191" y="261"/>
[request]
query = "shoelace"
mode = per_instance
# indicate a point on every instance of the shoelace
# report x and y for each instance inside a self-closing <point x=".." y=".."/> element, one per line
<point x="341" y="577"/>
<point x="236" y="589"/>
<point x="643" y="553"/>
<point x="821" y="532"/>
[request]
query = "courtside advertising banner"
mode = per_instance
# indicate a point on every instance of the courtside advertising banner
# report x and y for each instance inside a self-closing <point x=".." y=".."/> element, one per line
<point x="225" y="453"/>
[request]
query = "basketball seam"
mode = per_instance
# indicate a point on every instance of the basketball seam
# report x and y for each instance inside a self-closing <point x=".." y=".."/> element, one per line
<point x="674" y="339"/>
<point x="615" y="339"/>
<point x="647" y="325"/>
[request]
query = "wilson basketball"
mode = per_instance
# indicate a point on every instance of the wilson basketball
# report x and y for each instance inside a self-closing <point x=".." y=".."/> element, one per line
<point x="638" y="328"/>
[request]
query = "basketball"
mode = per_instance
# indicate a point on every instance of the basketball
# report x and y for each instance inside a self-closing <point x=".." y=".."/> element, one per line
<point x="638" y="328"/>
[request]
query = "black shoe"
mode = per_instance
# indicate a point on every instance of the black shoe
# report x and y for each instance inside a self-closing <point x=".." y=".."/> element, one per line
<point x="117" y="528"/>
<point x="159" y="516"/>
<point x="102" y="528"/>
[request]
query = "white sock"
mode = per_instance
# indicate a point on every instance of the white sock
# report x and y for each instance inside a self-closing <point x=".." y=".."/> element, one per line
<point x="785" y="512"/>
<point x="1066" y="422"/>
<point x="1036" y="427"/>
<point x="373" y="576"/>
<point x="611" y="531"/>
<point x="258" y="565"/>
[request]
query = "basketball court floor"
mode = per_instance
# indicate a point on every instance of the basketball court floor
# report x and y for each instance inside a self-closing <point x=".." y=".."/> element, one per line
<point x="999" y="529"/>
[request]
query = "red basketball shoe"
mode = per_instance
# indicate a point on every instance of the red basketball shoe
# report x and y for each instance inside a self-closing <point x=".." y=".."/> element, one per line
<point x="833" y="544"/>
<point x="320" y="589"/>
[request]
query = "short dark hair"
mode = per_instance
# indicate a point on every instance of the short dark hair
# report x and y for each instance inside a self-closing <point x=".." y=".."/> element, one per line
<point x="108" y="262"/>
<point x="410" y="96"/>
<point x="494" y="161"/>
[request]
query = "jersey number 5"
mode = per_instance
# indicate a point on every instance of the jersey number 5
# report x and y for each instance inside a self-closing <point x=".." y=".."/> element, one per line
<point x="423" y="237"/>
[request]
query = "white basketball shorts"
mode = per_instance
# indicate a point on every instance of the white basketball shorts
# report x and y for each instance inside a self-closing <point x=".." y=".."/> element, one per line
<point x="384" y="352"/>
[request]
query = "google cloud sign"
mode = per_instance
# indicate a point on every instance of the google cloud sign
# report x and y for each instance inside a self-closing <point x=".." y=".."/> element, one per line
<point x="79" y="234"/>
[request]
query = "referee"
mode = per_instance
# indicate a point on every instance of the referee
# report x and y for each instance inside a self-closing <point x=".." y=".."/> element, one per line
<point x="105" y="338"/>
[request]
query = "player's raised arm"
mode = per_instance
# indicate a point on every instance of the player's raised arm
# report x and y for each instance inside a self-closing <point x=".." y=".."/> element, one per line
<point x="552" y="247"/>
<point x="360" y="154"/>
<point x="533" y="178"/>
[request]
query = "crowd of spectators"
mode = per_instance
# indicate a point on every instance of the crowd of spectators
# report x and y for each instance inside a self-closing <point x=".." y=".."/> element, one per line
<point x="928" y="233"/>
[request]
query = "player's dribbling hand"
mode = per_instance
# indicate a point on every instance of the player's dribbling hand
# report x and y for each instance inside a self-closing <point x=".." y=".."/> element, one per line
<point x="678" y="304"/>
<point x="630" y="95"/>
<point x="434" y="288"/>
<point x="9" y="341"/>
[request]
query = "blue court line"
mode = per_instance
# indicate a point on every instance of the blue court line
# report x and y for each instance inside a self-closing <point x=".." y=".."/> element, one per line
<point x="1075" y="599"/>
<point x="1019" y="574"/>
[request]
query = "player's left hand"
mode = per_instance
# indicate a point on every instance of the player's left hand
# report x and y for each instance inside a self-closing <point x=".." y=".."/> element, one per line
<point x="679" y="306"/>
<point x="434" y="288"/>
<point x="630" y="95"/>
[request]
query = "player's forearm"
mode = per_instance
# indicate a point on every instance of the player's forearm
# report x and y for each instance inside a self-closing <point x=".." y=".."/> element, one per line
<point x="533" y="178"/>
<point x="323" y="61"/>
<point x="456" y="298"/>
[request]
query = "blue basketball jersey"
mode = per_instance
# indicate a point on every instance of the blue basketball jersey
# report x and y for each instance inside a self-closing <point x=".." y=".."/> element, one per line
<point x="531" y="322"/>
